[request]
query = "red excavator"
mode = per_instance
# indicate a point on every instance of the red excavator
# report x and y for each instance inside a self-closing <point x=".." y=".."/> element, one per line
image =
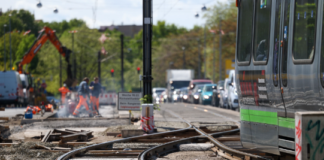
<point x="48" y="34"/>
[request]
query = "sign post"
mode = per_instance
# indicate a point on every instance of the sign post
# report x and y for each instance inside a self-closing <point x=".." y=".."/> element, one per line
<point x="129" y="101"/>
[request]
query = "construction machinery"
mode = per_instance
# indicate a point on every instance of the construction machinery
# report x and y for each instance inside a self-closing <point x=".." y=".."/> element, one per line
<point x="47" y="34"/>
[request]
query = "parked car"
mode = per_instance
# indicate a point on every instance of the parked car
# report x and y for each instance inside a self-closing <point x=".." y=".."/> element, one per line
<point x="196" y="93"/>
<point x="163" y="96"/>
<point x="176" y="95"/>
<point x="193" y="84"/>
<point x="232" y="92"/>
<point x="11" y="90"/>
<point x="223" y="102"/>
<point x="156" y="92"/>
<point x="26" y="81"/>
<point x="184" y="94"/>
<point x="206" y="94"/>
<point x="216" y="93"/>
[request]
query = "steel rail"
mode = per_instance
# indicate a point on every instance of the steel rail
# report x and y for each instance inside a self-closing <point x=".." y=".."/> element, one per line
<point x="110" y="143"/>
<point x="172" y="146"/>
<point x="224" y="149"/>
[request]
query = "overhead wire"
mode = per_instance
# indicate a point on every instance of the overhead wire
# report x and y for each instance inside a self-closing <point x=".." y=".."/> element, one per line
<point x="170" y="8"/>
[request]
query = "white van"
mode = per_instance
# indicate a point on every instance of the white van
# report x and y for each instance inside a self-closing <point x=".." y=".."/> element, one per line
<point x="11" y="90"/>
<point x="26" y="82"/>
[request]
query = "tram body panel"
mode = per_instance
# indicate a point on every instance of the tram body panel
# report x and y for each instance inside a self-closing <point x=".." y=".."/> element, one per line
<point x="270" y="93"/>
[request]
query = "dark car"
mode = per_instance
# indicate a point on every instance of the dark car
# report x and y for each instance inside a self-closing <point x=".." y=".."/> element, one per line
<point x="184" y="94"/>
<point x="196" y="93"/>
<point x="216" y="93"/>
<point x="192" y="86"/>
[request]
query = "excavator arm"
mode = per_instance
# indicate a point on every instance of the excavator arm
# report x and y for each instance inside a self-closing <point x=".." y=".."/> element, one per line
<point x="46" y="34"/>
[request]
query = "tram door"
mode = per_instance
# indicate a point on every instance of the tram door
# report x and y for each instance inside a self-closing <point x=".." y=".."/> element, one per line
<point x="280" y="52"/>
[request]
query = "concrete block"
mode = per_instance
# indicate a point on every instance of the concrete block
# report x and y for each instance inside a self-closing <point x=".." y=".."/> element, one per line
<point x="196" y="147"/>
<point x="309" y="135"/>
<point x="133" y="132"/>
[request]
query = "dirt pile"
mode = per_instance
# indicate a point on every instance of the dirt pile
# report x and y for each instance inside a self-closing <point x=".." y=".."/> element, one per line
<point x="23" y="151"/>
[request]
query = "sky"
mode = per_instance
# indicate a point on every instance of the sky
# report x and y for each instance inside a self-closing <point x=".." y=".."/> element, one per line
<point x="107" y="12"/>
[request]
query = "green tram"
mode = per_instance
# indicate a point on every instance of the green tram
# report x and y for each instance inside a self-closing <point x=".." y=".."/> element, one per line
<point x="279" y="68"/>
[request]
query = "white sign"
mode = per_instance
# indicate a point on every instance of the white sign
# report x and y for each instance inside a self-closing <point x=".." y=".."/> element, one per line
<point x="129" y="101"/>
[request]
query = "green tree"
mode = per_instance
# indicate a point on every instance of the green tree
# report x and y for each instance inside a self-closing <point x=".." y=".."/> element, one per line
<point x="26" y="43"/>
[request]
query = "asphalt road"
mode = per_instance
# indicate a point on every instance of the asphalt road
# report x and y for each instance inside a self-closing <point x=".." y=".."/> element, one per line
<point x="197" y="113"/>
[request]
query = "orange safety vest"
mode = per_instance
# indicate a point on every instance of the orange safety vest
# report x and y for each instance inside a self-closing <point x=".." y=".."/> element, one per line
<point x="64" y="91"/>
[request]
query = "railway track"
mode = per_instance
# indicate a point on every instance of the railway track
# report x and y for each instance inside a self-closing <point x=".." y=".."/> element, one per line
<point x="159" y="144"/>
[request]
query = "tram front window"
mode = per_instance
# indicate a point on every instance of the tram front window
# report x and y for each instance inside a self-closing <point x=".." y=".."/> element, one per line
<point x="262" y="30"/>
<point x="244" y="47"/>
<point x="304" y="31"/>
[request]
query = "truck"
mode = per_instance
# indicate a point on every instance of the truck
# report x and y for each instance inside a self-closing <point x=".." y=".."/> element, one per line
<point x="176" y="79"/>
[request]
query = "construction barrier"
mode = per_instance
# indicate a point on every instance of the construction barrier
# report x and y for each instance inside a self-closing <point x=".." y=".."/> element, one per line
<point x="108" y="98"/>
<point x="147" y="118"/>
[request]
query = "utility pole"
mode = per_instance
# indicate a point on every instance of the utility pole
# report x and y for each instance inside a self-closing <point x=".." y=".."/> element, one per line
<point x="122" y="61"/>
<point x="60" y="70"/>
<point x="220" y="49"/>
<point x="74" y="56"/>
<point x="80" y="68"/>
<point x="184" y="57"/>
<point x="214" y="50"/>
<point x="99" y="67"/>
<point x="147" y="48"/>
<point x="4" y="46"/>
<point x="10" y="42"/>
<point x="205" y="70"/>
<point x="199" y="59"/>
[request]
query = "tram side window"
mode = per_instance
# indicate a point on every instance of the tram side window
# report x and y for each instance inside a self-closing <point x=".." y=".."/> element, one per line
<point x="262" y="30"/>
<point x="245" y="31"/>
<point x="304" y="29"/>
<point x="322" y="57"/>
<point x="276" y="44"/>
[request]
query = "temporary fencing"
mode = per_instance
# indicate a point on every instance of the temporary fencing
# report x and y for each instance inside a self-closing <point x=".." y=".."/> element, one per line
<point x="108" y="98"/>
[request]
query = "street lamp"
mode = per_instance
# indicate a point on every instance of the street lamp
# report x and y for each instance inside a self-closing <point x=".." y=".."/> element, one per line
<point x="39" y="4"/>
<point x="10" y="41"/>
<point x="184" y="57"/>
<point x="55" y="10"/>
<point x="4" y="44"/>
<point x="204" y="8"/>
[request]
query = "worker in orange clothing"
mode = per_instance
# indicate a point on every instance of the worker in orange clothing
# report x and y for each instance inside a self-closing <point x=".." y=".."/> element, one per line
<point x="64" y="90"/>
<point x="95" y="88"/>
<point x="83" y="92"/>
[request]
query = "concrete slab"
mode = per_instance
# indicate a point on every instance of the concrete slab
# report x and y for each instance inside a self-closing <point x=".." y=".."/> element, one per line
<point x="131" y="132"/>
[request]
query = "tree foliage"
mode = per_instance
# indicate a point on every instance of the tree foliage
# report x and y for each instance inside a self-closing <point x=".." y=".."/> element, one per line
<point x="167" y="48"/>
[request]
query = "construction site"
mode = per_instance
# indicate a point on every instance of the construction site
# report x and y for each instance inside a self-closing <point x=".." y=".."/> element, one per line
<point x="114" y="135"/>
